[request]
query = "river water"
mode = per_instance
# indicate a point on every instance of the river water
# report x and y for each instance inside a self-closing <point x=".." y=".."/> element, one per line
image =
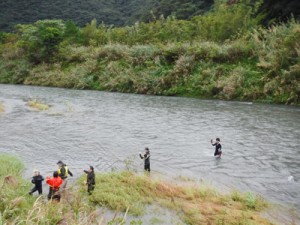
<point x="261" y="143"/>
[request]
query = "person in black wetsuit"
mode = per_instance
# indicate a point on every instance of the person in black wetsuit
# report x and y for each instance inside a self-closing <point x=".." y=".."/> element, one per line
<point x="146" y="158"/>
<point x="37" y="180"/>
<point x="218" y="150"/>
<point x="90" y="180"/>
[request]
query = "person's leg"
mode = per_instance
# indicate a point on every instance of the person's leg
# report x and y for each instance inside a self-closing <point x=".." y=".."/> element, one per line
<point x="147" y="167"/>
<point x="90" y="188"/>
<point x="216" y="153"/>
<point x="63" y="185"/>
<point x="56" y="196"/>
<point x="34" y="189"/>
<point x="50" y="193"/>
<point x="40" y="190"/>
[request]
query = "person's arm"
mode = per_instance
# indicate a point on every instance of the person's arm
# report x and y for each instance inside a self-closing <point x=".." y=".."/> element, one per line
<point x="141" y="155"/>
<point x="87" y="172"/>
<point x="147" y="156"/>
<point x="33" y="180"/>
<point x="213" y="144"/>
<point x="71" y="174"/>
<point x="49" y="181"/>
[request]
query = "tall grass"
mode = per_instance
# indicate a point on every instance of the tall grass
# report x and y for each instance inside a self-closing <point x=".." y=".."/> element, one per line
<point x="125" y="192"/>
<point x="14" y="199"/>
<point x="223" y="54"/>
<point x="2" y="107"/>
<point x="35" y="104"/>
<point x="279" y="57"/>
<point x="130" y="192"/>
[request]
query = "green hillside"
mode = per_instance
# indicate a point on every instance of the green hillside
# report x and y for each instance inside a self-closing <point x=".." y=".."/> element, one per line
<point x="222" y="54"/>
<point x="125" y="12"/>
<point x="115" y="12"/>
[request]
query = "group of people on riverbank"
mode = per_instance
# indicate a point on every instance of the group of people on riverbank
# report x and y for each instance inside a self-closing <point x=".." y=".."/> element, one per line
<point x="58" y="182"/>
<point x="60" y="177"/>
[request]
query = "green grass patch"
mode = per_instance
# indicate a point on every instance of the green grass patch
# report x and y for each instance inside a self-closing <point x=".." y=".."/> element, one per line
<point x="2" y="108"/>
<point x="196" y="204"/>
<point x="35" y="104"/>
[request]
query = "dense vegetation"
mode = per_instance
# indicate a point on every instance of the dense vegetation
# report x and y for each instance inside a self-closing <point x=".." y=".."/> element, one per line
<point x="121" y="12"/>
<point x="112" y="12"/>
<point x="122" y="192"/>
<point x="222" y="54"/>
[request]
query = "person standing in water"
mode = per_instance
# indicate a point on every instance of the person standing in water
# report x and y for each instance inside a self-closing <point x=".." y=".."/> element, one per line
<point x="218" y="150"/>
<point x="146" y="158"/>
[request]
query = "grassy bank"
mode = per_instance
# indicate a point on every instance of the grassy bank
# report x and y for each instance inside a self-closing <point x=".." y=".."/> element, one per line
<point x="223" y="54"/>
<point x="193" y="203"/>
<point x="123" y="193"/>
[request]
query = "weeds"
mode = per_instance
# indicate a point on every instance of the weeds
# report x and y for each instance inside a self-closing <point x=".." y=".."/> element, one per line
<point x="35" y="104"/>
<point x="197" y="205"/>
<point x="260" y="65"/>
<point x="2" y="107"/>
<point x="125" y="192"/>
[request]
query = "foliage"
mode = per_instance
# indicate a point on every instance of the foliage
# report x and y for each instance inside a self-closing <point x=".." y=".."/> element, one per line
<point x="41" y="39"/>
<point x="279" y="54"/>
<point x="37" y="105"/>
<point x="127" y="191"/>
<point x="115" y="12"/>
<point x="223" y="54"/>
<point x="121" y="12"/>
<point x="2" y="107"/>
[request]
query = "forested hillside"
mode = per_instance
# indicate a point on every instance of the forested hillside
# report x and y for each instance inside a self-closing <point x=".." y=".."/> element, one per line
<point x="125" y="12"/>
<point x="111" y="12"/>
<point x="223" y="54"/>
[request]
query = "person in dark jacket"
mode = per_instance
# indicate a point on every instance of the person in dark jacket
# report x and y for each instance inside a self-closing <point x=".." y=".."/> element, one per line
<point x="90" y="179"/>
<point x="146" y="158"/>
<point x="218" y="149"/>
<point x="37" y="180"/>
<point x="63" y="172"/>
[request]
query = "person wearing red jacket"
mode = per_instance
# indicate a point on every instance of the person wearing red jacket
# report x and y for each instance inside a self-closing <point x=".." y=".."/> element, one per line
<point x="54" y="185"/>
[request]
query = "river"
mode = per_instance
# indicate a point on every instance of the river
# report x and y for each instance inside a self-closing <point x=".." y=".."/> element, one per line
<point x="261" y="143"/>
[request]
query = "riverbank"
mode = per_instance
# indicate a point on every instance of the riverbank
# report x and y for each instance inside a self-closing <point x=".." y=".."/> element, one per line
<point x="211" y="56"/>
<point x="125" y="192"/>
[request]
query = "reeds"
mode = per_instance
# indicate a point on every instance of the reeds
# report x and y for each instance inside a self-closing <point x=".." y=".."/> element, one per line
<point x="2" y="107"/>
<point x="35" y="104"/>
<point x="196" y="204"/>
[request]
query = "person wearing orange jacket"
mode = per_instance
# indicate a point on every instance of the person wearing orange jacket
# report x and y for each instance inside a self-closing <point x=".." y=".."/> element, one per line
<point x="54" y="185"/>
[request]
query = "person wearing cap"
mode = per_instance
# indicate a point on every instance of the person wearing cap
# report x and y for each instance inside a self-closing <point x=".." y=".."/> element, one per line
<point x="146" y="158"/>
<point x="218" y="149"/>
<point x="37" y="180"/>
<point x="90" y="179"/>
<point x="54" y="185"/>
<point x="63" y="172"/>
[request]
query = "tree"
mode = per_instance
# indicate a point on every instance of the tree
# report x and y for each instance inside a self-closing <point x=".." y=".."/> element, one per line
<point x="41" y="39"/>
